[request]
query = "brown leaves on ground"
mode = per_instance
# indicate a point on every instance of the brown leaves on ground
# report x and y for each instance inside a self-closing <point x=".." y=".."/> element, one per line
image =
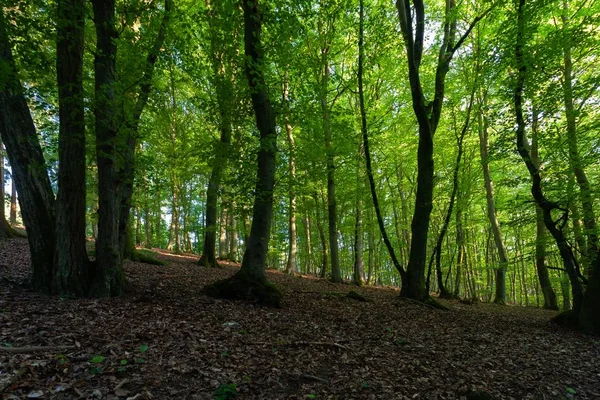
<point x="166" y="340"/>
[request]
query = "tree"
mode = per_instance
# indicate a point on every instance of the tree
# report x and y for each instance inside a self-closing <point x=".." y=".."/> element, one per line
<point x="29" y="169"/>
<point x="428" y="114"/>
<point x="71" y="273"/>
<point x="250" y="282"/>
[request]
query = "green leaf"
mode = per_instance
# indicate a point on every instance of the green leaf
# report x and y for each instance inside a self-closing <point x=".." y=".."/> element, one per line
<point x="97" y="359"/>
<point x="311" y="396"/>
<point x="143" y="348"/>
<point x="123" y="362"/>
<point x="140" y="361"/>
<point x="570" y="390"/>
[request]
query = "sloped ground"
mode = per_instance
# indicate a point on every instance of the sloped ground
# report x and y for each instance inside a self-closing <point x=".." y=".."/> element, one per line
<point x="166" y="340"/>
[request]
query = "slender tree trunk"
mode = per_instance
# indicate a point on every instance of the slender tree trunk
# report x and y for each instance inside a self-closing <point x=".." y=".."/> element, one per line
<point x="232" y="235"/>
<point x="500" y="297"/>
<point x="28" y="166"/>
<point x="6" y="230"/>
<point x="292" y="250"/>
<point x="13" y="202"/>
<point x="336" y="275"/>
<point x="365" y="137"/>
<point x="71" y="270"/>
<point x="359" y="243"/>
<point x="428" y="115"/>
<point x="307" y="232"/>
<point x="444" y="292"/>
<point x="223" y="83"/>
<point x="547" y="206"/>
<point x="147" y="226"/>
<point x="109" y="278"/>
<point x="550" y="301"/>
<point x="223" y="233"/>
<point x="324" y="252"/>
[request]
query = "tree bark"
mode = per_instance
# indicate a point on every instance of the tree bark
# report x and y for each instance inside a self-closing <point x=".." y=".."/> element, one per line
<point x="554" y="227"/>
<point x="223" y="81"/>
<point x="253" y="263"/>
<point x="109" y="278"/>
<point x="13" y="202"/>
<point x="500" y="296"/>
<point x="71" y="264"/>
<point x="324" y="251"/>
<point x="291" y="266"/>
<point x="29" y="168"/>
<point x="365" y="137"/>
<point x="132" y="122"/>
<point x="550" y="301"/>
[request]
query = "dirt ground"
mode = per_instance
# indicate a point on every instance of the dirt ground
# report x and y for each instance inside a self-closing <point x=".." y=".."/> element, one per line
<point x="166" y="340"/>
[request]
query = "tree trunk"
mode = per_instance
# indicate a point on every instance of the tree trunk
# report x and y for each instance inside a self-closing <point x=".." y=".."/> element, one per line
<point x="359" y="242"/>
<point x="336" y="275"/>
<point x="71" y="270"/>
<point x="6" y="230"/>
<point x="13" y="202"/>
<point x="223" y="233"/>
<point x="131" y="128"/>
<point x="291" y="261"/>
<point x="307" y="232"/>
<point x="223" y="82"/>
<point x="444" y="292"/>
<point x="109" y="278"/>
<point x="28" y="166"/>
<point x="232" y="236"/>
<point x="550" y="301"/>
<point x="365" y="137"/>
<point x="324" y="252"/>
<point x="500" y="297"/>
<point x="547" y="206"/>
<point x="428" y="116"/>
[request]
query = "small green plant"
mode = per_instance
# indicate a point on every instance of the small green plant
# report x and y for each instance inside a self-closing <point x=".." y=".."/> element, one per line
<point x="6" y="344"/>
<point x="139" y="360"/>
<point x="62" y="359"/>
<point x="97" y="359"/>
<point x="311" y="396"/>
<point x="225" y="391"/>
<point x="143" y="348"/>
<point x="123" y="362"/>
<point x="364" y="385"/>
<point x="224" y="354"/>
<point x="571" y="392"/>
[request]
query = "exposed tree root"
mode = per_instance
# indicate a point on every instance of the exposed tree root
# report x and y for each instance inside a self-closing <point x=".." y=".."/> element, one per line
<point x="429" y="302"/>
<point x="242" y="287"/>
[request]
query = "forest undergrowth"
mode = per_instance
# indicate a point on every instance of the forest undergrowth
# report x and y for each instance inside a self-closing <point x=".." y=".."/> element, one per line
<point x="166" y="340"/>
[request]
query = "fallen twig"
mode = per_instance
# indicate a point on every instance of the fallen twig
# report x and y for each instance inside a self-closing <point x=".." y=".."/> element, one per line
<point x="300" y="343"/>
<point x="34" y="349"/>
<point x="313" y="378"/>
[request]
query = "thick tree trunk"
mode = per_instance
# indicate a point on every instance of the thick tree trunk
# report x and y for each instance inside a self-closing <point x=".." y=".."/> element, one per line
<point x="71" y="264"/>
<point x="29" y="168"/>
<point x="109" y="277"/>
<point x="253" y="263"/>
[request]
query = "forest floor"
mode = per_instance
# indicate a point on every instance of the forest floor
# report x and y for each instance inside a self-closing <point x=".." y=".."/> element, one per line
<point x="166" y="340"/>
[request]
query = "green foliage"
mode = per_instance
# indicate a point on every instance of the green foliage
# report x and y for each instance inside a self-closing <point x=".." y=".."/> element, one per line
<point x="143" y="348"/>
<point x="225" y="391"/>
<point x="97" y="359"/>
